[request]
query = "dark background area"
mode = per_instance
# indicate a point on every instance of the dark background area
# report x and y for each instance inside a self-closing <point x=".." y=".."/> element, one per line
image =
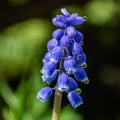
<point x="102" y="47"/>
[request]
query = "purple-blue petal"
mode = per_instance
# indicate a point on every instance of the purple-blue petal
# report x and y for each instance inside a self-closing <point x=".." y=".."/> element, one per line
<point x="49" y="78"/>
<point x="81" y="59"/>
<point x="65" y="12"/>
<point x="58" y="33"/>
<point x="63" y="82"/>
<point x="75" y="99"/>
<point x="44" y="94"/>
<point x="70" y="65"/>
<point x="56" y="54"/>
<point x="72" y="18"/>
<point x="51" y="44"/>
<point x="80" y="74"/>
<point x="48" y="68"/>
<point x="72" y="84"/>
<point x="47" y="57"/>
<point x="71" y="32"/>
<point x="77" y="49"/>
<point x="79" y="38"/>
<point x="58" y="23"/>
<point x="79" y="20"/>
<point x="65" y="41"/>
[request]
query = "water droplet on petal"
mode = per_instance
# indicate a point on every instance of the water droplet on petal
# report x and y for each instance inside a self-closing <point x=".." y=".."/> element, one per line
<point x="85" y="18"/>
<point x="46" y="83"/>
<point x="84" y="65"/>
<point x="78" y="91"/>
<point x="86" y="81"/>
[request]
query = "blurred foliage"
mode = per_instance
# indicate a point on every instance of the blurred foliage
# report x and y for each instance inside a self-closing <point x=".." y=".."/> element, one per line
<point x="19" y="44"/>
<point x="101" y="12"/>
<point x="18" y="2"/>
<point x="23" y="105"/>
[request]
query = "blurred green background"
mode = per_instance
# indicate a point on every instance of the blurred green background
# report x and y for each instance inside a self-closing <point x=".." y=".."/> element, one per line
<point x="25" y="28"/>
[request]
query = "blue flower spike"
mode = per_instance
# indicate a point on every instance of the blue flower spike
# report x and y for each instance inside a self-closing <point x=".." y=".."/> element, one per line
<point x="65" y="61"/>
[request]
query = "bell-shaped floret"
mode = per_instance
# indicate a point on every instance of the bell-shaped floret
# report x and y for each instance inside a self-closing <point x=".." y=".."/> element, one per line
<point x="66" y="19"/>
<point x="44" y="94"/>
<point x="63" y="82"/>
<point x="81" y="75"/>
<point x="72" y="84"/>
<point x="70" y="65"/>
<point x="51" y="44"/>
<point x="81" y="59"/>
<point x="49" y="79"/>
<point x="75" y="99"/>
<point x="65" y="41"/>
<point x="48" y="68"/>
<point x="58" y="33"/>
<point x="65" y="12"/>
<point x="71" y="32"/>
<point x="56" y="54"/>
<point x="76" y="20"/>
<point x="47" y="57"/>
<point x="79" y="38"/>
<point x="77" y="49"/>
<point x="59" y="20"/>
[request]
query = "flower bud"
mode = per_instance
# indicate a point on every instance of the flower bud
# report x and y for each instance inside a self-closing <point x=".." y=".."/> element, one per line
<point x="71" y="32"/>
<point x="56" y="54"/>
<point x="77" y="49"/>
<point x="80" y="74"/>
<point x="58" y="33"/>
<point x="75" y="99"/>
<point x="44" y="94"/>
<point x="47" y="57"/>
<point x="51" y="44"/>
<point x="78" y="20"/>
<point x="79" y="38"/>
<point x="81" y="59"/>
<point x="72" y="84"/>
<point x="58" y="23"/>
<point x="70" y="65"/>
<point x="65" y="41"/>
<point x="65" y="12"/>
<point x="48" y="68"/>
<point x="51" y="78"/>
<point x="63" y="82"/>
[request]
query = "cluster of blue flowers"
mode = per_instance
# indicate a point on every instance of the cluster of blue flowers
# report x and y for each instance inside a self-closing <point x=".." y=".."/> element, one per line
<point x="65" y="59"/>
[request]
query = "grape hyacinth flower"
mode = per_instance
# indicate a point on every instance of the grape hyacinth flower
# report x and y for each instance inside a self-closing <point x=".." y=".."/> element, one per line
<point x="64" y="62"/>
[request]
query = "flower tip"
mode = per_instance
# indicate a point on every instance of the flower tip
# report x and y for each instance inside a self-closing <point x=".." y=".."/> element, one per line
<point x="77" y="105"/>
<point x="44" y="94"/>
<point x="75" y="99"/>
<point x="86" y="81"/>
<point x="64" y="11"/>
<point x="85" y="18"/>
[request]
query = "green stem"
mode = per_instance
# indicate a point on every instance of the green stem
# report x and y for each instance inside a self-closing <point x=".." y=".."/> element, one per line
<point x="58" y="94"/>
<point x="57" y="105"/>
